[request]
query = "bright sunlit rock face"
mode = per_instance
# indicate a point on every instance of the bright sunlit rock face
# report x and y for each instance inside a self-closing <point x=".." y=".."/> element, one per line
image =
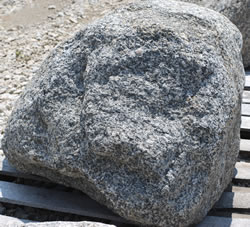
<point x="239" y="13"/>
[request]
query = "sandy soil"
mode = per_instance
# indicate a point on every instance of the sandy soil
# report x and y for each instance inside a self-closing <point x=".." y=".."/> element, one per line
<point x="29" y="29"/>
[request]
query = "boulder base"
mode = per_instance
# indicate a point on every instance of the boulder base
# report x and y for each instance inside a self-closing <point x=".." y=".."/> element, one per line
<point x="140" y="110"/>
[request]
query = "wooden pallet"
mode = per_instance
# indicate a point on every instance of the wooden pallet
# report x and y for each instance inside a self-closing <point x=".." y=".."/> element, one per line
<point x="232" y="210"/>
<point x="50" y="199"/>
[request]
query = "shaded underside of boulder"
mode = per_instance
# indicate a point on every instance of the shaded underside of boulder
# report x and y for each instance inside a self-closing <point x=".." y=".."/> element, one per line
<point x="140" y="110"/>
<point x="239" y="13"/>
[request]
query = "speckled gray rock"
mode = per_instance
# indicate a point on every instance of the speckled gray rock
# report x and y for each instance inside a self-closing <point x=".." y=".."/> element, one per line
<point x="140" y="110"/>
<point x="239" y="13"/>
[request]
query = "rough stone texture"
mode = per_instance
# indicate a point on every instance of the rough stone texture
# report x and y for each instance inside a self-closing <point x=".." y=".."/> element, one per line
<point x="239" y="13"/>
<point x="140" y="110"/>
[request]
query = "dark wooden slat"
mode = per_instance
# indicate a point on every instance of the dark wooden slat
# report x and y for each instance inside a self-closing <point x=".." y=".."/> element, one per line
<point x="7" y="170"/>
<point x="242" y="170"/>
<point x="29" y="198"/>
<point x="212" y="221"/>
<point x="54" y="200"/>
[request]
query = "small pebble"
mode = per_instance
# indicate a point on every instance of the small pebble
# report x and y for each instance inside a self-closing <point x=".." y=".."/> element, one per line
<point x="3" y="89"/>
<point x="52" y="7"/>
<point x="73" y="20"/>
<point x="60" y="14"/>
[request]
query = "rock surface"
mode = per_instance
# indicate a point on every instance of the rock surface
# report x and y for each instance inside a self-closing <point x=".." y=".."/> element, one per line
<point x="239" y="13"/>
<point x="140" y="110"/>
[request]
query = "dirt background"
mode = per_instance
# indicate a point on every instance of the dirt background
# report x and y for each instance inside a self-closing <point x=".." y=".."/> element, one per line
<point x="29" y="30"/>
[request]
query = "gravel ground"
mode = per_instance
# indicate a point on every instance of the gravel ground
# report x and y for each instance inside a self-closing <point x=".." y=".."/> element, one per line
<point x="29" y="29"/>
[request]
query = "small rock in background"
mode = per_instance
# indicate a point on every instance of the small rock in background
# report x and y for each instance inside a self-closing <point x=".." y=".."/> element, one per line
<point x="239" y="13"/>
<point x="52" y="7"/>
<point x="73" y="20"/>
<point x="3" y="89"/>
<point x="60" y="14"/>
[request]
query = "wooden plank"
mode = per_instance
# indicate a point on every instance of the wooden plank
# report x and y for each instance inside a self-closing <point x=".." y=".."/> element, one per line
<point x="240" y="189"/>
<point x="245" y="145"/>
<point x="54" y="200"/>
<point x="237" y="189"/>
<point x="212" y="221"/>
<point x="246" y="97"/>
<point x="247" y="82"/>
<point x="245" y="109"/>
<point x="26" y="197"/>
<point x="245" y="124"/>
<point x="242" y="171"/>
<point x="7" y="170"/>
<point x="236" y="215"/>
<point x="244" y="149"/>
<point x="226" y="213"/>
<point x="233" y="200"/>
